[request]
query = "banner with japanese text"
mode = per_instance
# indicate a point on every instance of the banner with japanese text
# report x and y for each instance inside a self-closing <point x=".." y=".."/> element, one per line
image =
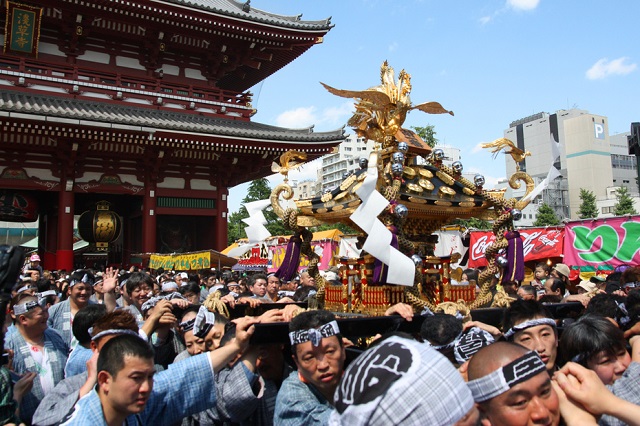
<point x="22" y="29"/>
<point x="538" y="243"/>
<point x="612" y="241"/>
<point x="181" y="262"/>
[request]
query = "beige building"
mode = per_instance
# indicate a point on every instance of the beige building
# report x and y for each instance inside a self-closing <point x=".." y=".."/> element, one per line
<point x="585" y="159"/>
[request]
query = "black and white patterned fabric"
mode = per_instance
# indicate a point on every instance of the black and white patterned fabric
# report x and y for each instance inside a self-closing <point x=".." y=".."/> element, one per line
<point x="500" y="381"/>
<point x="470" y="342"/>
<point x="528" y="324"/>
<point x="401" y="381"/>
<point x="204" y="322"/>
<point x="314" y="335"/>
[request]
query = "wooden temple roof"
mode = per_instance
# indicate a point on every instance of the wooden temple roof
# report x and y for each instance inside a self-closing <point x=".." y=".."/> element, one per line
<point x="42" y="107"/>
<point x="235" y="46"/>
<point x="244" y="10"/>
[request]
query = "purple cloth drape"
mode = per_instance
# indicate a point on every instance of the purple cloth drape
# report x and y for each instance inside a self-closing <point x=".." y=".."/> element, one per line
<point x="514" y="271"/>
<point x="289" y="267"/>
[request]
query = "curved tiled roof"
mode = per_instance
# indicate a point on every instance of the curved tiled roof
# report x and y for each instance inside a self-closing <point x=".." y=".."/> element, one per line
<point x="69" y="108"/>
<point x="244" y="10"/>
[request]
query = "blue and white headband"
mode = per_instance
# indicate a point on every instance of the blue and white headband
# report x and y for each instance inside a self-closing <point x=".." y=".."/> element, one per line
<point x="314" y="335"/>
<point x="471" y="342"/>
<point x="187" y="325"/>
<point x="204" y="322"/>
<point x="153" y="301"/>
<point x="45" y="294"/>
<point x="528" y="324"/>
<point x="169" y="286"/>
<point x="85" y="279"/>
<point x="504" y="378"/>
<point x="24" y="288"/>
<point x="111" y="332"/>
<point x="23" y="308"/>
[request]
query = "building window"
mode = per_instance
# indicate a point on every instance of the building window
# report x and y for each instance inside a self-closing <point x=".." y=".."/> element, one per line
<point x="610" y="209"/>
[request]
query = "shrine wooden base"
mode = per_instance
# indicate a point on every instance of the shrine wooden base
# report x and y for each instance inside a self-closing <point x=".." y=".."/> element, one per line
<point x="367" y="297"/>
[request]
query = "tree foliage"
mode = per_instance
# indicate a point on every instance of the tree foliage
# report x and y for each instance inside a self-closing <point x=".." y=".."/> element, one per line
<point x="427" y="134"/>
<point x="345" y="229"/>
<point x="473" y="223"/>
<point x="258" y="190"/>
<point x="546" y="216"/>
<point x="624" y="205"/>
<point x="588" y="208"/>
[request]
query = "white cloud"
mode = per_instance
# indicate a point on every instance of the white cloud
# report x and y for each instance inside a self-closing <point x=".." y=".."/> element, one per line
<point x="332" y="117"/>
<point x="485" y="20"/>
<point x="297" y="118"/>
<point x="335" y="117"/>
<point x="393" y="47"/>
<point x="478" y="148"/>
<point x="604" y="68"/>
<point x="523" y="4"/>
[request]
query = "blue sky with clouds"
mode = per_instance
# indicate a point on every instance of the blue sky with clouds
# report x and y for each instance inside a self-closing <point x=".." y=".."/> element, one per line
<point x="490" y="61"/>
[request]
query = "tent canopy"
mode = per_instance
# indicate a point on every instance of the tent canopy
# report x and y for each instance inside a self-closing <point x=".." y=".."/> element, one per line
<point x="331" y="234"/>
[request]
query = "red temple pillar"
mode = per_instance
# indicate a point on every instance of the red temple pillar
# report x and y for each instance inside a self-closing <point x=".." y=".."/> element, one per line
<point x="221" y="218"/>
<point x="149" y="204"/>
<point x="64" y="247"/>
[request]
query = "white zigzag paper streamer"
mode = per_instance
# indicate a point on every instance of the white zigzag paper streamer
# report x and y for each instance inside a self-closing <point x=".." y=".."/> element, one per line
<point x="401" y="268"/>
<point x="255" y="230"/>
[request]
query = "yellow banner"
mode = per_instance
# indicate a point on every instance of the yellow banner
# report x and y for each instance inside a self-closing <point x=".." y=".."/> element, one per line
<point x="181" y="262"/>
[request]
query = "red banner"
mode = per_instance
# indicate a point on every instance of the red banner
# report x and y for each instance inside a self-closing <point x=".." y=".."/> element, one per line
<point x="539" y="243"/>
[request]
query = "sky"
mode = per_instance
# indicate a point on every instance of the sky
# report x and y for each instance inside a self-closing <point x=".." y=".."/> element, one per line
<point x="489" y="61"/>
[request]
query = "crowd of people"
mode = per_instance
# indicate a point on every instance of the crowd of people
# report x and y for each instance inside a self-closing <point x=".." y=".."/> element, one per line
<point x="141" y="347"/>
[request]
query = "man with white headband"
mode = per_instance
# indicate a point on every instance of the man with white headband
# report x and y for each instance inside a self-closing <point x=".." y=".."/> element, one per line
<point x="61" y="315"/>
<point x="511" y="386"/>
<point x="316" y="347"/>
<point x="36" y="349"/>
<point x="528" y="323"/>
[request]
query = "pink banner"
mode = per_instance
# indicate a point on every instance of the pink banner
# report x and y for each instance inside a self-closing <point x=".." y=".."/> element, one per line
<point x="613" y="241"/>
<point x="538" y="243"/>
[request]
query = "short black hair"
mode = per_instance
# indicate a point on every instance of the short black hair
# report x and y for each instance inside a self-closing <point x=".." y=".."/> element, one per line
<point x="84" y="319"/>
<point x="588" y="336"/>
<point x="302" y="294"/>
<point x="558" y="284"/>
<point x="43" y="284"/>
<point x="614" y="277"/>
<point x="255" y="277"/>
<point x="440" y="328"/>
<point x="546" y="268"/>
<point x="523" y="310"/>
<point x="113" y="353"/>
<point x="190" y="287"/>
<point x="529" y="289"/>
<point x="607" y="305"/>
<point x="136" y="279"/>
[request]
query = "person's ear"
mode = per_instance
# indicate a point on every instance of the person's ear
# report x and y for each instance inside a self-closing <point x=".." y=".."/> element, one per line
<point x="93" y="346"/>
<point x="104" y="380"/>
<point x="484" y="421"/>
